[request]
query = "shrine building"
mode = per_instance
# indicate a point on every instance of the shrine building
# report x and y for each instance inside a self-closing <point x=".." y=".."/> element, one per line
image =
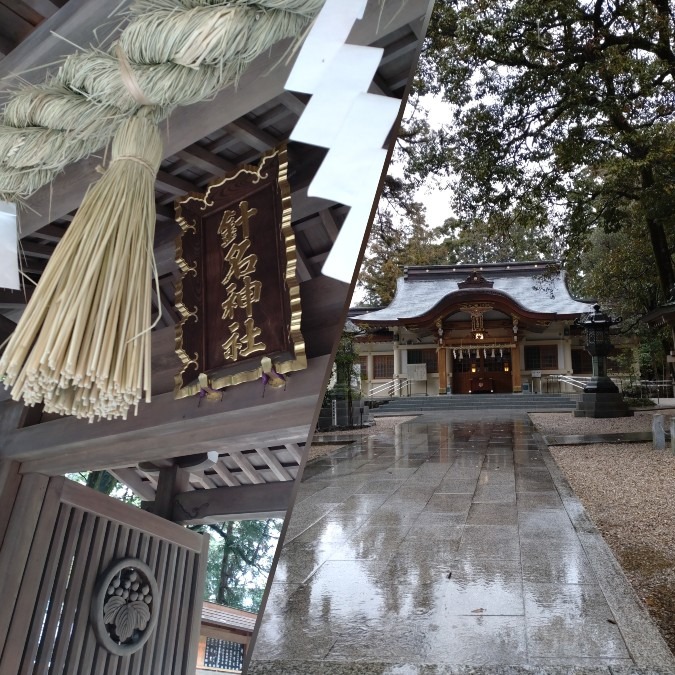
<point x="464" y="329"/>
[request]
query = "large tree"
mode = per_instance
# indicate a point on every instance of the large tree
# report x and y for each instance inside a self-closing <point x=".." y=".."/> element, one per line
<point x="565" y="104"/>
<point x="502" y="237"/>
<point x="240" y="556"/>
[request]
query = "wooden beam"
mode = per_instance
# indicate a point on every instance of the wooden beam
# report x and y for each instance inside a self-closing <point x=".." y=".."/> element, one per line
<point x="44" y="7"/>
<point x="142" y="489"/>
<point x="262" y="82"/>
<point x="165" y="213"/>
<point x="174" y="185"/>
<point x="14" y="27"/>
<point x="319" y="258"/>
<point x="226" y="475"/>
<point x="36" y="250"/>
<point x="329" y="224"/>
<point x="76" y="21"/>
<point x="247" y="468"/>
<point x="203" y="159"/>
<point x="269" y="500"/>
<point x="249" y="133"/>
<point x="15" y="299"/>
<point x="90" y="500"/>
<point x="304" y="273"/>
<point x="293" y="102"/>
<point x="296" y="451"/>
<point x="25" y="11"/>
<point x="408" y="43"/>
<point x="380" y="86"/>
<point x="305" y="206"/>
<point x="274" y="464"/>
<point x="49" y="233"/>
<point x="170" y="428"/>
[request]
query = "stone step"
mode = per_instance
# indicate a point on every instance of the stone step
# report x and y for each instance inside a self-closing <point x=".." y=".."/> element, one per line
<point x="458" y="402"/>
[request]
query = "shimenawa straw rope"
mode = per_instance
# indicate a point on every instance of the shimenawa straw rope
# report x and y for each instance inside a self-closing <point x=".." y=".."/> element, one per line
<point x="82" y="346"/>
<point x="177" y="52"/>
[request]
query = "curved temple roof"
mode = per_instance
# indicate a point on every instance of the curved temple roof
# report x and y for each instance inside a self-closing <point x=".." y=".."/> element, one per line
<point x="531" y="286"/>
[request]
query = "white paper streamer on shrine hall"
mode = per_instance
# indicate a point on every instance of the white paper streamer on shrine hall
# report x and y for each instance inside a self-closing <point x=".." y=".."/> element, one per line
<point x="344" y="118"/>
<point x="9" y="260"/>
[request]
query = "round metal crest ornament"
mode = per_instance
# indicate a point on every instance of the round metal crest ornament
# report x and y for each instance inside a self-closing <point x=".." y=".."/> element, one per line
<point x="124" y="608"/>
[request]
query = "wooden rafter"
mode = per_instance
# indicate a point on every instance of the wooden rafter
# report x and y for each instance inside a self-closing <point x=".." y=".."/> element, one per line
<point x="189" y="124"/>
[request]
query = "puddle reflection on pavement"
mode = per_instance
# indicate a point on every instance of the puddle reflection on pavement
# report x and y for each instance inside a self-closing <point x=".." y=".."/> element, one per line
<point x="443" y="542"/>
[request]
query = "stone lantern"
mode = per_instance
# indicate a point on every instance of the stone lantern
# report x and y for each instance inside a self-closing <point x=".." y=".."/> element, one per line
<point x="601" y="397"/>
<point x="599" y="345"/>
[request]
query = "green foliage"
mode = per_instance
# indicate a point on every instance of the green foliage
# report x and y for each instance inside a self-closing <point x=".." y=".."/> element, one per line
<point x="346" y="358"/>
<point x="652" y="352"/>
<point x="415" y="244"/>
<point x="106" y="483"/>
<point x="638" y="402"/>
<point x="562" y="107"/>
<point x="502" y="237"/>
<point x="240" y="556"/>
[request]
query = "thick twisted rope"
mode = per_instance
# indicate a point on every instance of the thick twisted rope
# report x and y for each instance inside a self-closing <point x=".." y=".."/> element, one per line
<point x="178" y="52"/>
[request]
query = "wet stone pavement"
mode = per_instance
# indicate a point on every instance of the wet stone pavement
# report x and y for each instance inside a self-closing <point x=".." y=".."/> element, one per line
<point x="453" y="544"/>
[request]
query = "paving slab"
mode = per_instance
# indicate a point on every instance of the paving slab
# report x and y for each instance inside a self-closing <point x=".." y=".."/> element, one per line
<point x="456" y="547"/>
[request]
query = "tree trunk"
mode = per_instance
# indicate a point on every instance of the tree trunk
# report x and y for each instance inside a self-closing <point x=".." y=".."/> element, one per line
<point x="224" y="581"/>
<point x="657" y="235"/>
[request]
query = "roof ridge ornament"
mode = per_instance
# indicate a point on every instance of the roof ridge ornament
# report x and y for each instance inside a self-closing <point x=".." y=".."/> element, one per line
<point x="475" y="280"/>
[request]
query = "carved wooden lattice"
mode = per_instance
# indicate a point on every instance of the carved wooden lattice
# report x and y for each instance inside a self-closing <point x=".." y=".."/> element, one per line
<point x="60" y="539"/>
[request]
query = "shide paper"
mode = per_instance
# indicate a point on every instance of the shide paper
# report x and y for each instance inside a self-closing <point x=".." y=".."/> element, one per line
<point x="344" y="118"/>
<point x="9" y="259"/>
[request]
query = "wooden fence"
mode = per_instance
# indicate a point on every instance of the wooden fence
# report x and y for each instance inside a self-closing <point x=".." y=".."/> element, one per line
<point x="58" y="539"/>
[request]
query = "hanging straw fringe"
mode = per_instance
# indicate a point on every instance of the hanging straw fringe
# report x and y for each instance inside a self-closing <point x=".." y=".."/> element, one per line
<point x="178" y="52"/>
<point x="83" y="345"/>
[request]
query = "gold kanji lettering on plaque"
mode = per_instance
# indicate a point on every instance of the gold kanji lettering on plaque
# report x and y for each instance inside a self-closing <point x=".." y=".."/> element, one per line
<point x="242" y="291"/>
<point x="242" y="298"/>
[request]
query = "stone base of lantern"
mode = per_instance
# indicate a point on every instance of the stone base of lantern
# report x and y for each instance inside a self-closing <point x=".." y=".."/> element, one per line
<point x="602" y="404"/>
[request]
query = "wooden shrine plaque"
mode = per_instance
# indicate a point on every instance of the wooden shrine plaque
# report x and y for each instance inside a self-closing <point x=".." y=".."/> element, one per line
<point x="238" y="295"/>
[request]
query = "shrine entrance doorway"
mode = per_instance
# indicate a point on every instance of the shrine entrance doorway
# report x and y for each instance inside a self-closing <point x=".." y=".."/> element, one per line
<point x="479" y="371"/>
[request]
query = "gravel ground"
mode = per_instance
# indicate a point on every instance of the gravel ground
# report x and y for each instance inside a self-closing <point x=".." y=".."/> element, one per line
<point x="564" y="424"/>
<point x="628" y="490"/>
<point x="382" y="424"/>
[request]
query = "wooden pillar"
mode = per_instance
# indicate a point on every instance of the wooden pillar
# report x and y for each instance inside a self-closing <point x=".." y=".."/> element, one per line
<point x="451" y="368"/>
<point x="442" y="371"/>
<point x="201" y="652"/>
<point x="515" y="369"/>
<point x="172" y="481"/>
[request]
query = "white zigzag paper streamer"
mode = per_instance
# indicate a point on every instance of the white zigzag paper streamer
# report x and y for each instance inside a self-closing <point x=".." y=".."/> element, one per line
<point x="9" y="259"/>
<point x="344" y="118"/>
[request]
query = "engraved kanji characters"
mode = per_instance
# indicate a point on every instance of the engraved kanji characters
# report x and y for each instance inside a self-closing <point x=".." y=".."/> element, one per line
<point x="241" y="265"/>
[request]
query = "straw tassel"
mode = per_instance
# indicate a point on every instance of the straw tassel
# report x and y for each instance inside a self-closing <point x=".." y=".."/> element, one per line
<point x="82" y="346"/>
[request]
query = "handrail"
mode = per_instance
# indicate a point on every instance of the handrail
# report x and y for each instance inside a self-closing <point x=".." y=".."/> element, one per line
<point x="647" y="388"/>
<point x="392" y="386"/>
<point x="579" y="383"/>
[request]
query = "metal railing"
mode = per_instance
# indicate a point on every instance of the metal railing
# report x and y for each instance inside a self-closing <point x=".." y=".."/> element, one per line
<point x="552" y="384"/>
<point x="390" y="388"/>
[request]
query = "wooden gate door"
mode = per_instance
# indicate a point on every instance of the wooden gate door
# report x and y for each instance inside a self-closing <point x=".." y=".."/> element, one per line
<point x="89" y="585"/>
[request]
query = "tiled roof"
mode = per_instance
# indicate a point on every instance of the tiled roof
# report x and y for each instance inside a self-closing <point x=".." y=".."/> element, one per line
<point x="228" y="617"/>
<point x="526" y="284"/>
